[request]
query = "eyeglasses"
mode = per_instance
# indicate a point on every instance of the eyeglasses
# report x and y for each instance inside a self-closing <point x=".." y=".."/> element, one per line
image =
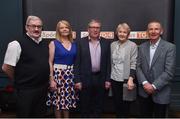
<point x="93" y="27"/>
<point x="35" y="26"/>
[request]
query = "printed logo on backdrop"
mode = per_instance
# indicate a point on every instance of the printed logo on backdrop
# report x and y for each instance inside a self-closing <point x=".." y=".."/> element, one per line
<point x="52" y="34"/>
<point x="106" y="34"/>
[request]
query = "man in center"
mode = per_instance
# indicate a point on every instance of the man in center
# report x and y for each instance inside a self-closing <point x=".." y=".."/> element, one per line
<point x="92" y="70"/>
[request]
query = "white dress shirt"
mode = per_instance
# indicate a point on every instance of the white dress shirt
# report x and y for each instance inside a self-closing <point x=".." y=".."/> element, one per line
<point x="153" y="48"/>
<point x="13" y="52"/>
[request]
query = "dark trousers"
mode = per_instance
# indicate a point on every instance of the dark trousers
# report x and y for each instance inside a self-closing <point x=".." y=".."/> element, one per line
<point x="122" y="108"/>
<point x="31" y="102"/>
<point x="149" y="109"/>
<point x="92" y="98"/>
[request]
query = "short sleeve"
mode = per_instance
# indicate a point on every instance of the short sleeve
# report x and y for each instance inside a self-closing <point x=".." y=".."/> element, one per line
<point x="12" y="54"/>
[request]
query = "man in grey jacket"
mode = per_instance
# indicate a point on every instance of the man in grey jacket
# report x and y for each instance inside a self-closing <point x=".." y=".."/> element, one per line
<point x="155" y="70"/>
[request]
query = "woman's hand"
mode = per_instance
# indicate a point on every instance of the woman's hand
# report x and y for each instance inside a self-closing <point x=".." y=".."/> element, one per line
<point x="53" y="85"/>
<point x="130" y="83"/>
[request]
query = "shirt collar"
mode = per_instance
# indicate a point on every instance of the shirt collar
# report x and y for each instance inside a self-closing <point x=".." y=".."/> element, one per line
<point x="123" y="43"/>
<point x="156" y="44"/>
<point x="90" y="38"/>
<point x="36" y="41"/>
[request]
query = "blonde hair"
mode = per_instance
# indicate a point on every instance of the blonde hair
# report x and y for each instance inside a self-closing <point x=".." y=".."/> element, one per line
<point x="124" y="26"/>
<point x="58" y="34"/>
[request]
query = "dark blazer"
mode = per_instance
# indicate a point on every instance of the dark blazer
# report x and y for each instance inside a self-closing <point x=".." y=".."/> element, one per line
<point x="161" y="71"/>
<point x="83" y="68"/>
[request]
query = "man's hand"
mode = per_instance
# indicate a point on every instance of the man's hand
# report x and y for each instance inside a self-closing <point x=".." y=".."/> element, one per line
<point x="149" y="88"/>
<point x="107" y="85"/>
<point x="9" y="70"/>
<point x="78" y="86"/>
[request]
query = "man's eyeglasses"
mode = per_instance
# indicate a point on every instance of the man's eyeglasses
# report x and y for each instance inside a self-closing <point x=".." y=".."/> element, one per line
<point x="93" y="27"/>
<point x="35" y="26"/>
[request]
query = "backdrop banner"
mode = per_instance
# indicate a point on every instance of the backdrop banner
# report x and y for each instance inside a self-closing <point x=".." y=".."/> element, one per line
<point x="137" y="13"/>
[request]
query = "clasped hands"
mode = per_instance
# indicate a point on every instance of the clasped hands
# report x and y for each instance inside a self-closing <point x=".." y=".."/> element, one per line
<point x="149" y="89"/>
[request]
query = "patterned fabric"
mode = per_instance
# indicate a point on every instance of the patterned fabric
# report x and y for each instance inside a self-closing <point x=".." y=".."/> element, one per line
<point x="64" y="97"/>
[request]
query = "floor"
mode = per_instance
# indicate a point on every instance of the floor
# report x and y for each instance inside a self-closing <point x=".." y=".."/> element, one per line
<point x="11" y="114"/>
<point x="8" y="110"/>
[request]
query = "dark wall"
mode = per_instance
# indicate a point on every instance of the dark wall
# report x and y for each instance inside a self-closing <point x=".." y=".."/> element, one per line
<point x="10" y="25"/>
<point x="137" y="13"/>
<point x="176" y="82"/>
<point x="177" y="31"/>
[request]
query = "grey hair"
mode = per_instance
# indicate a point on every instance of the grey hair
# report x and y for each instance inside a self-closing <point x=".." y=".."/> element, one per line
<point x="94" y="21"/>
<point x="29" y="18"/>
<point x="125" y="26"/>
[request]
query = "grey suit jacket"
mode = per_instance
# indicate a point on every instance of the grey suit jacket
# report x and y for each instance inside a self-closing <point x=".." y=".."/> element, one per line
<point x="161" y="71"/>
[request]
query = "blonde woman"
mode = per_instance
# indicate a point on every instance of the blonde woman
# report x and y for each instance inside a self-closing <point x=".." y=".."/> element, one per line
<point x="62" y="53"/>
